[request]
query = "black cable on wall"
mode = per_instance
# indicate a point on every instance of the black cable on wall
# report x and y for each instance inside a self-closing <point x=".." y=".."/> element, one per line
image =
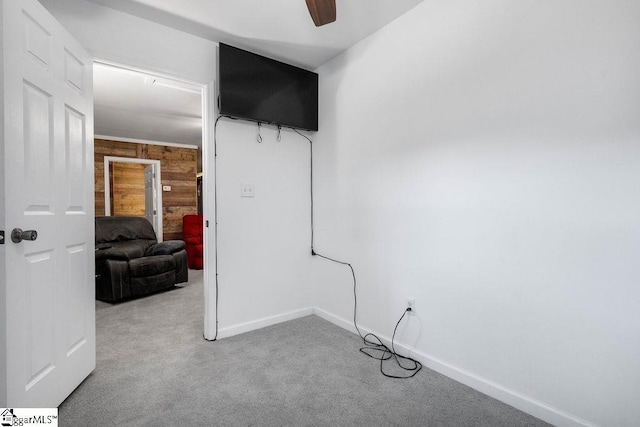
<point x="215" y="209"/>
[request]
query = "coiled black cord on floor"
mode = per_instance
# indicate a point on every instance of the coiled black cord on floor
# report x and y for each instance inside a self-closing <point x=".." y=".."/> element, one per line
<point x="374" y="348"/>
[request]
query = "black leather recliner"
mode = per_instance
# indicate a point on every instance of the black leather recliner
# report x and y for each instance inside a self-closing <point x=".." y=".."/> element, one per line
<point x="131" y="263"/>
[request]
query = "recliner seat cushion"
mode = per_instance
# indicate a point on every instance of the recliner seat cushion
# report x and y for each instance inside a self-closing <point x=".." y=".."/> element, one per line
<point x="151" y="265"/>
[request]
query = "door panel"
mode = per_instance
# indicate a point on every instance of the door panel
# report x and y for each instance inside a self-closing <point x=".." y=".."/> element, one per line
<point x="41" y="351"/>
<point x="75" y="154"/>
<point x="38" y="149"/>
<point x="48" y="187"/>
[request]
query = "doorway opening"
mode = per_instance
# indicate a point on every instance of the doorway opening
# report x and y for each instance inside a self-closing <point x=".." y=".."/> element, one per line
<point x="157" y="113"/>
<point x="132" y="189"/>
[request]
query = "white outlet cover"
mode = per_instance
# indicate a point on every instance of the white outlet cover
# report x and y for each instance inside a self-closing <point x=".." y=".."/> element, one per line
<point x="247" y="190"/>
<point x="411" y="302"/>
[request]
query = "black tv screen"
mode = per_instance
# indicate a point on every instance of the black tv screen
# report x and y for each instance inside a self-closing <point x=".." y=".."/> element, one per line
<point x="264" y="90"/>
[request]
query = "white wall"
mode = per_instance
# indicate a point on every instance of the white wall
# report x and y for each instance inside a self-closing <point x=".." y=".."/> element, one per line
<point x="264" y="241"/>
<point x="484" y="159"/>
<point x="263" y="277"/>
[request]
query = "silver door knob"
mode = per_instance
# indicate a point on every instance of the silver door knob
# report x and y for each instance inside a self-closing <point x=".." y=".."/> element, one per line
<point x="17" y="235"/>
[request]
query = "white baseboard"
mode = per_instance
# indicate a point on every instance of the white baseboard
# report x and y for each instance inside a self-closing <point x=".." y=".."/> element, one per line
<point x="262" y="323"/>
<point x="513" y="398"/>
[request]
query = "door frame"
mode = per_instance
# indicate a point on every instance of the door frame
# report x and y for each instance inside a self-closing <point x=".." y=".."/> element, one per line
<point x="158" y="187"/>
<point x="208" y="90"/>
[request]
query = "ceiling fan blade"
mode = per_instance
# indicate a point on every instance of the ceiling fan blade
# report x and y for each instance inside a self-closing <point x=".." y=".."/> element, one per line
<point x="322" y="11"/>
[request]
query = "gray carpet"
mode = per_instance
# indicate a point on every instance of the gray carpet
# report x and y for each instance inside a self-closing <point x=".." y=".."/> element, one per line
<point x="155" y="368"/>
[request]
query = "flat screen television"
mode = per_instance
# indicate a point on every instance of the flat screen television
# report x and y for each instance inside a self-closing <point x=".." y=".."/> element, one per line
<point x="261" y="89"/>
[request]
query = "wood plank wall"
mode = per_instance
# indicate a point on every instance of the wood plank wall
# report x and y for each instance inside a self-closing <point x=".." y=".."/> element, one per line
<point x="178" y="169"/>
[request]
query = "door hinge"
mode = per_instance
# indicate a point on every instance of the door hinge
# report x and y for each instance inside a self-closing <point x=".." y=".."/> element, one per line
<point x="207" y="225"/>
<point x="1" y="237"/>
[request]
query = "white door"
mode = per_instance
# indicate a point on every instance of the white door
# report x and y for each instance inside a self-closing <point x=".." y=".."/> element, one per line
<point x="150" y="198"/>
<point x="149" y="195"/>
<point x="47" y="284"/>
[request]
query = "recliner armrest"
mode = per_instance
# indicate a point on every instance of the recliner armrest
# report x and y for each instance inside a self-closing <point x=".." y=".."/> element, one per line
<point x="127" y="250"/>
<point x="165" y="248"/>
<point x="112" y="253"/>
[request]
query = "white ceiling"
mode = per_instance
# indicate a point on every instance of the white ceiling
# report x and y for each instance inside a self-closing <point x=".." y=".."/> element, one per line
<point x="128" y="106"/>
<point x="281" y="29"/>
<point x="132" y="105"/>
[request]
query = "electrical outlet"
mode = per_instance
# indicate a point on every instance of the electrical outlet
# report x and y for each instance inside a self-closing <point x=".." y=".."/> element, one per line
<point x="411" y="305"/>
